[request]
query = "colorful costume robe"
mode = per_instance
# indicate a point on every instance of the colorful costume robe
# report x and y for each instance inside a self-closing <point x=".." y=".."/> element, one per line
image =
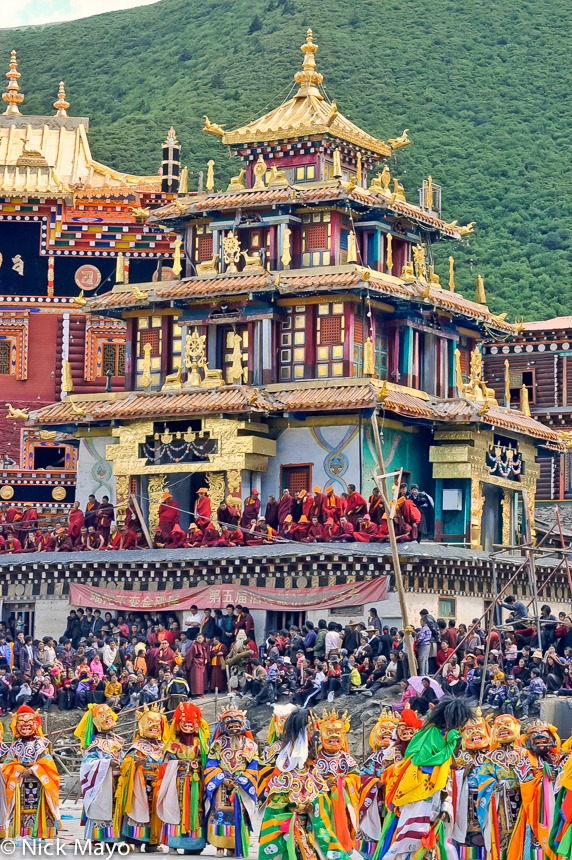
<point x="180" y="794"/>
<point x="467" y="834"/>
<point x="341" y="773"/>
<point x="230" y="810"/>
<point x="98" y="786"/>
<point x="32" y="802"/>
<point x="531" y="836"/>
<point x="499" y="779"/>
<point x="135" y="815"/>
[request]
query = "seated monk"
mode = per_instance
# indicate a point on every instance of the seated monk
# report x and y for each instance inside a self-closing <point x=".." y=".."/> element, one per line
<point x="300" y="531"/>
<point x="127" y="538"/>
<point x="260" y="533"/>
<point x="178" y="538"/>
<point x="12" y="545"/>
<point x="346" y="531"/>
<point x="158" y="539"/>
<point x="64" y="542"/>
<point x="366" y="531"/>
<point x="194" y="535"/>
<point x="406" y="518"/>
<point x="47" y="541"/>
<point x="211" y="535"/>
<point x="236" y="537"/>
<point x="315" y="532"/>
<point x="141" y="540"/>
<point x="383" y="532"/>
<point x="29" y="543"/>
<point x="287" y="528"/>
<point x="224" y="534"/>
<point x="114" y="538"/>
<point x="331" y="529"/>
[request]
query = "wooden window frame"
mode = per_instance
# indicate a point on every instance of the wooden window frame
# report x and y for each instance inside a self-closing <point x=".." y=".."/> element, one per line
<point x="6" y="346"/>
<point x="446" y="597"/>
<point x="284" y="468"/>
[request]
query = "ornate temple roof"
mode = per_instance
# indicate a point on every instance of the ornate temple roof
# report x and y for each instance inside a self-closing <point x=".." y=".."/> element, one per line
<point x="309" y="396"/>
<point x="50" y="155"/>
<point x="309" y="112"/>
<point x="299" y="282"/>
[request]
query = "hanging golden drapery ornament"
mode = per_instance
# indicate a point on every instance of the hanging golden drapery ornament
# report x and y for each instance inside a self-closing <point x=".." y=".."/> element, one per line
<point x="337" y="171"/>
<point x="146" y="366"/>
<point x="210" y="176"/>
<point x="67" y="382"/>
<point x="286" y="257"/>
<point x="368" y="358"/>
<point x="352" y="248"/>
<point x="506" y="383"/>
<point x="184" y="181"/>
<point x="452" y="274"/>
<point x="389" y="255"/>
<point x="119" y="270"/>
<point x="481" y="295"/>
<point x="177" y="266"/>
<point x="524" y="404"/>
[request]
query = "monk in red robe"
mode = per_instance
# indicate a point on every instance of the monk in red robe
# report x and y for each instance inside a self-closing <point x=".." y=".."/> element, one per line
<point x="29" y="542"/>
<point x="266" y="532"/>
<point x="13" y="515"/>
<point x="75" y="522"/>
<point x="315" y="532"/>
<point x="194" y="535"/>
<point x="91" y="510"/>
<point x="331" y="529"/>
<point x="376" y="507"/>
<point x="316" y="508"/>
<point x="115" y="538"/>
<point x="236" y="537"/>
<point x="287" y="529"/>
<point x="105" y="516"/>
<point x="12" y="545"/>
<point x="225" y="535"/>
<point x="285" y="505"/>
<point x="202" y="508"/>
<point x="227" y="514"/>
<point x="407" y="516"/>
<point x="158" y="541"/>
<point x="64" y="543"/>
<point x="127" y="538"/>
<point x="300" y="531"/>
<point x="178" y="538"/>
<point x="140" y="540"/>
<point x="251" y="510"/>
<point x="47" y="542"/>
<point x="168" y="515"/>
<point x="28" y="523"/>
<point x="366" y="531"/>
<point x="346" y="532"/>
<point x="357" y="505"/>
<point x="131" y="518"/>
<point x="211" y="535"/>
<point x="271" y="512"/>
<point x="331" y="506"/>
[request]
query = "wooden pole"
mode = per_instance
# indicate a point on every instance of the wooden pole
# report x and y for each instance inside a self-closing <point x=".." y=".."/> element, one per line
<point x="141" y="520"/>
<point x="487" y="648"/>
<point x="531" y="565"/>
<point x="390" y="510"/>
<point x="563" y="547"/>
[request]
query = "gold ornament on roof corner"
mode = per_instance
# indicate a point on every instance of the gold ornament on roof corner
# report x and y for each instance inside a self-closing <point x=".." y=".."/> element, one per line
<point x="433" y="277"/>
<point x="465" y="231"/>
<point x="212" y="127"/>
<point x="398" y="191"/>
<point x="277" y="178"/>
<point x="138" y="294"/>
<point x="13" y="96"/>
<point x="231" y="248"/>
<point x="140" y="214"/>
<point x="209" y="268"/>
<point x="16" y="414"/>
<point x="259" y="171"/>
<point x="77" y="410"/>
<point x="61" y="105"/>
<point x="79" y="300"/>
<point x="398" y="142"/>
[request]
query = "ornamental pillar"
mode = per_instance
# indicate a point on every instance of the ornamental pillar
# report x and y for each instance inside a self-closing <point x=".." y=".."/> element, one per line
<point x="477" y="502"/>
<point x="155" y="490"/>
<point x="234" y="488"/>
<point x="506" y="503"/>
<point x="216" y="487"/>
<point x="121" y="497"/>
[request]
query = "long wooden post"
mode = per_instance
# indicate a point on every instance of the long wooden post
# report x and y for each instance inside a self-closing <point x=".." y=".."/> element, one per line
<point x="563" y="547"/>
<point x="531" y="565"/>
<point x="390" y="510"/>
<point x="141" y="520"/>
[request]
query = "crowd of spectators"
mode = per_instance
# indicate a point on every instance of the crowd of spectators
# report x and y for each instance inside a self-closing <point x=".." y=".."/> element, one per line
<point x="305" y="517"/>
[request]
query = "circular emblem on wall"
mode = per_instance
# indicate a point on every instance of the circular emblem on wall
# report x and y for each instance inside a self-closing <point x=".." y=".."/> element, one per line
<point x="167" y="274"/>
<point x="6" y="492"/>
<point x="59" y="494"/>
<point x="88" y="277"/>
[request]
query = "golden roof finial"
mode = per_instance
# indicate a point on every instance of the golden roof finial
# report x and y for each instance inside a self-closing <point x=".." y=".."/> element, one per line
<point x="13" y="95"/>
<point x="61" y="105"/>
<point x="309" y="78"/>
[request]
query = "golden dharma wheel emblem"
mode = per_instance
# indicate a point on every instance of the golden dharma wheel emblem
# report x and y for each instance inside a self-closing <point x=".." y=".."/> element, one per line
<point x="58" y="493"/>
<point x="6" y="492"/>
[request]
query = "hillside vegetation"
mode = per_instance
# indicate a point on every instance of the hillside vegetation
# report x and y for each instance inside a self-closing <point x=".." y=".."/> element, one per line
<point x="484" y="89"/>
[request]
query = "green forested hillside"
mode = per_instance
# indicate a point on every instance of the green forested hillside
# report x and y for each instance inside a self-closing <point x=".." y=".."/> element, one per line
<point x="483" y="87"/>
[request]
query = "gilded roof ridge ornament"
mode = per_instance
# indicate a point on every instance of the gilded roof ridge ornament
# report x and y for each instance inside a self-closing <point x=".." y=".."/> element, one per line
<point x="309" y="78"/>
<point x="61" y="105"/>
<point x="13" y="96"/>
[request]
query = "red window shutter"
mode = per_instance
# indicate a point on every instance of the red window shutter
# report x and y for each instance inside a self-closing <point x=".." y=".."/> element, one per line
<point x="358" y="330"/>
<point x="151" y="337"/>
<point x="298" y="479"/>
<point x="316" y="237"/>
<point x="205" y="248"/>
<point x="330" y="330"/>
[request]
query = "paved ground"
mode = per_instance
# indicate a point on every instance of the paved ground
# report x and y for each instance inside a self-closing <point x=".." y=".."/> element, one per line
<point x="71" y="843"/>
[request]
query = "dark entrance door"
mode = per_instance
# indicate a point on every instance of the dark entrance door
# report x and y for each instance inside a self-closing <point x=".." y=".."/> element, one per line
<point x="491" y="523"/>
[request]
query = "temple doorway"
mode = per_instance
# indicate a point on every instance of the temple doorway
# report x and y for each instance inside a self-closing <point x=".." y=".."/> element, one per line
<point x="491" y="523"/>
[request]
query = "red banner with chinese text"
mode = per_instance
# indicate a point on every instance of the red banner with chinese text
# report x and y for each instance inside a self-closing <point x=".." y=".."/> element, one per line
<point x="217" y="596"/>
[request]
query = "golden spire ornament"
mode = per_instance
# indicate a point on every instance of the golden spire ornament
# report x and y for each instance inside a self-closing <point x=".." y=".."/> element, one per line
<point x="61" y="105"/>
<point x="13" y="96"/>
<point x="337" y="171"/>
<point x="452" y="274"/>
<point x="309" y="78"/>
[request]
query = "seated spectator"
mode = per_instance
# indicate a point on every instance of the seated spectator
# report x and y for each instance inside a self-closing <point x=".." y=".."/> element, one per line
<point x="531" y="694"/>
<point x="426" y="700"/>
<point x="47" y="694"/>
<point x="407" y="695"/>
<point x="113" y="691"/>
<point x="149" y="692"/>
